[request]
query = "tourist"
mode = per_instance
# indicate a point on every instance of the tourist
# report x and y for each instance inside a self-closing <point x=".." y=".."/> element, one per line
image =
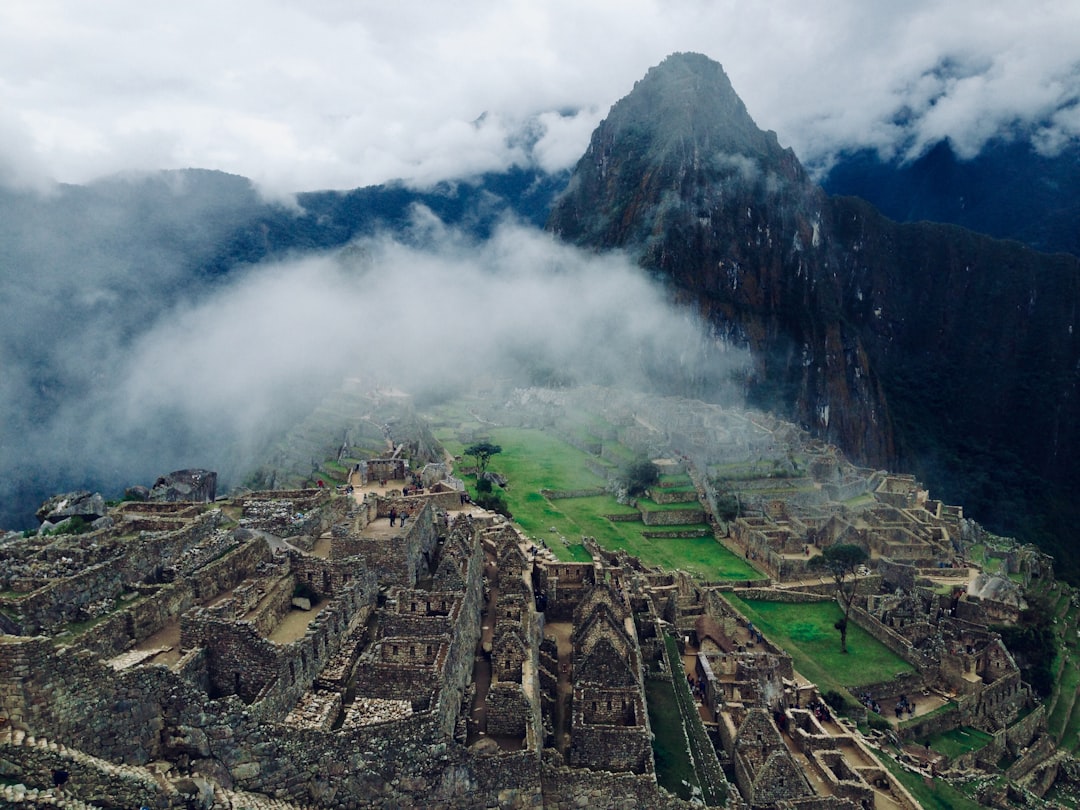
<point x="404" y="515"/>
<point x="393" y="515"/>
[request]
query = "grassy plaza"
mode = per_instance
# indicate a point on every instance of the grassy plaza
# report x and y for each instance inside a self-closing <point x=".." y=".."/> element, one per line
<point x="806" y="632"/>
<point x="536" y="461"/>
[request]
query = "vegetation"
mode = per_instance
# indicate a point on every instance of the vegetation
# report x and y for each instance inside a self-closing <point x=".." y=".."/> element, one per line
<point x="701" y="748"/>
<point x="804" y="630"/>
<point x="534" y="461"/>
<point x="73" y="525"/>
<point x="674" y="769"/>
<point x="958" y="741"/>
<point x="1032" y="643"/>
<point x="482" y="453"/>
<point x="641" y="475"/>
<point x="842" y="561"/>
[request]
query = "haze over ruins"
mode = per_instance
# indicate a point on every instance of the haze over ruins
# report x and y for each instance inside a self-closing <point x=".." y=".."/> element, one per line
<point x="537" y="550"/>
<point x="290" y="648"/>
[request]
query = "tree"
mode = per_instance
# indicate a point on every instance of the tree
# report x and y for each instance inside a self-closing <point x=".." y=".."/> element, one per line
<point x="641" y="475"/>
<point x="482" y="452"/>
<point x="841" y="561"/>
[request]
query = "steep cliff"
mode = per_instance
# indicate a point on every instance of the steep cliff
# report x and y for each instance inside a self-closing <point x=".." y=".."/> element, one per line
<point x="920" y="346"/>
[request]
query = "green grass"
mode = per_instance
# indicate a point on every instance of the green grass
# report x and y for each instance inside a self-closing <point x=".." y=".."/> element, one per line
<point x="806" y="632"/>
<point x="932" y="795"/>
<point x="1065" y="686"/>
<point x="959" y="741"/>
<point x="533" y="460"/>
<point x="674" y="770"/>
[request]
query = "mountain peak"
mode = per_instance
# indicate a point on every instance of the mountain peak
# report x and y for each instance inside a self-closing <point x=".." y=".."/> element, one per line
<point x="688" y="99"/>
<point x="682" y="126"/>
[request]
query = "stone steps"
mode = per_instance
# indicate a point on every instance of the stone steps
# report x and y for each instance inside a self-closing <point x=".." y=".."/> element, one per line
<point x="22" y="796"/>
<point x="17" y="738"/>
<point x="241" y="800"/>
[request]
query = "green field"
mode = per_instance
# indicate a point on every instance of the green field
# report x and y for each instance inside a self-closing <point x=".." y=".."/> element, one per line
<point x="674" y="770"/>
<point x="806" y="631"/>
<point x="533" y="460"/>
<point x="959" y="741"/>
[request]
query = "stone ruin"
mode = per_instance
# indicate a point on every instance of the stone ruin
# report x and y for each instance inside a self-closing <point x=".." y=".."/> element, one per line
<point x="291" y="648"/>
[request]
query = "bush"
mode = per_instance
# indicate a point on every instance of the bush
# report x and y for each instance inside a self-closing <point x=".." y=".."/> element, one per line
<point x="877" y="722"/>
<point x="641" y="475"/>
<point x="835" y="700"/>
<point x="492" y="501"/>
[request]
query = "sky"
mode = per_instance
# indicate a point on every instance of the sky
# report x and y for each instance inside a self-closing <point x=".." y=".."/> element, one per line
<point x="346" y="93"/>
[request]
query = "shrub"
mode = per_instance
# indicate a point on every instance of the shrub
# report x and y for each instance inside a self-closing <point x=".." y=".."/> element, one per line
<point x="492" y="501"/>
<point x="641" y="475"/>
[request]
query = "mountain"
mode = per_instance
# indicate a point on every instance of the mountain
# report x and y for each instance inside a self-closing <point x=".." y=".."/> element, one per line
<point x="923" y="347"/>
<point x="1008" y="190"/>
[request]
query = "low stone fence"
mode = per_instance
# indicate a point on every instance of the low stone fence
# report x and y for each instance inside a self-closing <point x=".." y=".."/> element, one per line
<point x="661" y="495"/>
<point x="780" y="595"/>
<point x="672" y="517"/>
<point x="625" y="517"/>
<point x="686" y="533"/>
<point x="560" y="494"/>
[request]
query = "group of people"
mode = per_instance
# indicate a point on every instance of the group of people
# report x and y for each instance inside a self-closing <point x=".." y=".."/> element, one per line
<point x="396" y="515"/>
<point x="904" y="705"/>
<point x="871" y="704"/>
<point x="820" y="709"/>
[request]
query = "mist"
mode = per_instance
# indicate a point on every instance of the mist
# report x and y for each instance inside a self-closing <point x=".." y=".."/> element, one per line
<point x="211" y="380"/>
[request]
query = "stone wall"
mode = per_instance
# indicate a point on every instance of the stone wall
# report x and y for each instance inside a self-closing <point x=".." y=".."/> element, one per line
<point x="611" y="748"/>
<point x="893" y="640"/>
<point x="91" y="592"/>
<point x="672" y="517"/>
<point x="1019" y="735"/>
<point x="572" y="789"/>
<point x="397" y="560"/>
<point x="558" y="494"/>
<point x="508" y="710"/>
<point x="664" y="496"/>
<point x="781" y="595"/>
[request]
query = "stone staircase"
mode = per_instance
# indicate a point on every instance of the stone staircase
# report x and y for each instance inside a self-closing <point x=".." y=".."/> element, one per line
<point x="40" y="758"/>
<point x="91" y="776"/>
<point x="239" y="800"/>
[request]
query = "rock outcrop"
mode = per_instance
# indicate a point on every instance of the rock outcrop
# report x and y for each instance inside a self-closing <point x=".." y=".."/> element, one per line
<point x="199" y="486"/>
<point x="86" y="505"/>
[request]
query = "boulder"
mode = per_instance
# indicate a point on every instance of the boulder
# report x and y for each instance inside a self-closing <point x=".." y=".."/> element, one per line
<point x="88" y="506"/>
<point x="199" y="486"/>
<point x="137" y="493"/>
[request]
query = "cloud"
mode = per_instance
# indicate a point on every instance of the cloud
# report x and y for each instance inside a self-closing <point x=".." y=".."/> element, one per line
<point x="337" y="95"/>
<point x="208" y="381"/>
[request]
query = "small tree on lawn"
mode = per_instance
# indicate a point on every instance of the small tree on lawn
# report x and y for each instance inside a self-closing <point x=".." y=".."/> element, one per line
<point x="482" y="452"/>
<point x="842" y="561"/>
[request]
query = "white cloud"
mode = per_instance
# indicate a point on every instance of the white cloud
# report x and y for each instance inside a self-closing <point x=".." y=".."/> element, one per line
<point x="340" y="94"/>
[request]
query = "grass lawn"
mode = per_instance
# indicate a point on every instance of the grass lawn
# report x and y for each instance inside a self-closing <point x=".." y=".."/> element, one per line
<point x="533" y="460"/>
<point x="959" y="741"/>
<point x="1066" y="686"/>
<point x="934" y="795"/>
<point x="806" y="631"/>
<point x="674" y="770"/>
